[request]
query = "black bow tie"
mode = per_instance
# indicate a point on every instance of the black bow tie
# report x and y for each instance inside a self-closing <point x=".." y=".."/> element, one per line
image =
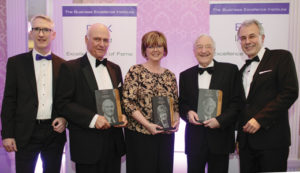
<point x="103" y="62"/>
<point x="40" y="57"/>
<point x="249" y="61"/>
<point x="209" y="70"/>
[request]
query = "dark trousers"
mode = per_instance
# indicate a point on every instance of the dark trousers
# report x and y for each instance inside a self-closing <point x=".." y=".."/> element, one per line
<point x="43" y="141"/>
<point x="270" y="160"/>
<point x="216" y="163"/>
<point x="109" y="165"/>
<point x="149" y="153"/>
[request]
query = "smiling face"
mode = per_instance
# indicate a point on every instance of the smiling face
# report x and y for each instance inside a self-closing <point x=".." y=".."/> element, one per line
<point x="154" y="46"/>
<point x="97" y="40"/>
<point x="42" y="34"/>
<point x="251" y="40"/>
<point x="204" y="50"/>
<point x="155" y="53"/>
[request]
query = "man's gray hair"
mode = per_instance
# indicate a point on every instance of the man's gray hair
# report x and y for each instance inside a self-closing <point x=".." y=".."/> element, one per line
<point x="205" y="35"/>
<point x="251" y="22"/>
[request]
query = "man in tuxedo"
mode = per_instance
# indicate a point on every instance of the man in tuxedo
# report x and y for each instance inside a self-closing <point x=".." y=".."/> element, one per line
<point x="270" y="87"/>
<point x="211" y="141"/>
<point x="95" y="146"/>
<point x="30" y="125"/>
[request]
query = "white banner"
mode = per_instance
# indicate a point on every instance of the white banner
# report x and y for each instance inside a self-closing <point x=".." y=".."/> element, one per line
<point x="225" y="19"/>
<point x="121" y="22"/>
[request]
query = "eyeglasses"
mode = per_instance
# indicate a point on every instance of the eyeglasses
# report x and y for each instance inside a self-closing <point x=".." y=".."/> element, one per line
<point x="155" y="47"/>
<point x="44" y="30"/>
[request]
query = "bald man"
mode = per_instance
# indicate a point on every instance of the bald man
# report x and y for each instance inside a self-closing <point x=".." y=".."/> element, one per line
<point x="95" y="145"/>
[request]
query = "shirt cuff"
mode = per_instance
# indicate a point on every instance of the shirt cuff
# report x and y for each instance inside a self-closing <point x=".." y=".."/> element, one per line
<point x="93" y="122"/>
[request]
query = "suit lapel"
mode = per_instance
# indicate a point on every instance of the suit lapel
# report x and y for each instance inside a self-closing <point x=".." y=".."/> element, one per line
<point x="55" y="69"/>
<point x="88" y="74"/>
<point x="216" y="76"/>
<point x="261" y="65"/>
<point x="112" y="74"/>
<point x="29" y="71"/>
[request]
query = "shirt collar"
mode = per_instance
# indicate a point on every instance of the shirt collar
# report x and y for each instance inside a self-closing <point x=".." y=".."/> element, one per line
<point x="261" y="53"/>
<point x="91" y="59"/>
<point x="211" y="64"/>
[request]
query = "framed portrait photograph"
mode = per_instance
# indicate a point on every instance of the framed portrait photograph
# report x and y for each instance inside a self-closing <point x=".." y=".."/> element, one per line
<point x="209" y="104"/>
<point x="163" y="112"/>
<point x="108" y="104"/>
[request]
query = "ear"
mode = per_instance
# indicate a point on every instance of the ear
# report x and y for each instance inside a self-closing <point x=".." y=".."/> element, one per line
<point x="263" y="38"/>
<point x="86" y="39"/>
<point x="53" y="35"/>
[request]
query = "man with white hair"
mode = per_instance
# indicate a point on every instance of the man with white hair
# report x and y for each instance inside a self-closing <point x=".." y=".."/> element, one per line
<point x="95" y="145"/>
<point x="212" y="140"/>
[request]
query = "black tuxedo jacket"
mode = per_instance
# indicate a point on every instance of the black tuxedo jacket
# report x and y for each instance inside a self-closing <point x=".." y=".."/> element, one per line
<point x="273" y="90"/>
<point x="225" y="77"/>
<point x="20" y="101"/>
<point x="77" y="103"/>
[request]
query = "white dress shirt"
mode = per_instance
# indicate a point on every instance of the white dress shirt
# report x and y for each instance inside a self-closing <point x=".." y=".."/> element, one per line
<point x="205" y="77"/>
<point x="250" y="70"/>
<point x="43" y="75"/>
<point x="102" y="78"/>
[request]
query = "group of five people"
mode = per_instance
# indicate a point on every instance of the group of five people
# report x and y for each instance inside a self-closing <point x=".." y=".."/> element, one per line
<point x="43" y="93"/>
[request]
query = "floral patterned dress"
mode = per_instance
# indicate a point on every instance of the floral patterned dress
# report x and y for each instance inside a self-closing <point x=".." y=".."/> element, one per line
<point x="140" y="86"/>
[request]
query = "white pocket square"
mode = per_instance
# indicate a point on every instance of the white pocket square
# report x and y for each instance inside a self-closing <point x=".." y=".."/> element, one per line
<point x="266" y="71"/>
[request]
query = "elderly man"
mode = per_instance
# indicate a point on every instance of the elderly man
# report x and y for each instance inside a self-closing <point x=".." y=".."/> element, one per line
<point x="95" y="146"/>
<point x="211" y="141"/>
<point x="30" y="125"/>
<point x="271" y="87"/>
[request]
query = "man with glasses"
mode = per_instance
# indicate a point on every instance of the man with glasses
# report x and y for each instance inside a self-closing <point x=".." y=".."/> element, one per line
<point x="271" y="87"/>
<point x="29" y="124"/>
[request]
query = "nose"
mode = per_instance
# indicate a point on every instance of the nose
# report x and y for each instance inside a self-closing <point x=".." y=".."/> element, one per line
<point x="101" y="43"/>
<point x="247" y="40"/>
<point x="203" y="49"/>
<point x="41" y="33"/>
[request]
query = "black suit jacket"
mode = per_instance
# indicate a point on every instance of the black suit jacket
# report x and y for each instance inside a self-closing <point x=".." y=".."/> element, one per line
<point x="273" y="90"/>
<point x="225" y="77"/>
<point x="76" y="101"/>
<point x="20" y="101"/>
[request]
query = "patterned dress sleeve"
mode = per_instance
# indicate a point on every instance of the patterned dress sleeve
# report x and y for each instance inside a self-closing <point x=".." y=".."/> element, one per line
<point x="130" y="88"/>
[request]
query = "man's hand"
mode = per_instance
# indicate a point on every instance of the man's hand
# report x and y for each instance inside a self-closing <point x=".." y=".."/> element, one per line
<point x="10" y="144"/>
<point x="124" y="120"/>
<point x="59" y="124"/>
<point x="193" y="118"/>
<point x="212" y="123"/>
<point x="102" y="123"/>
<point x="252" y="126"/>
